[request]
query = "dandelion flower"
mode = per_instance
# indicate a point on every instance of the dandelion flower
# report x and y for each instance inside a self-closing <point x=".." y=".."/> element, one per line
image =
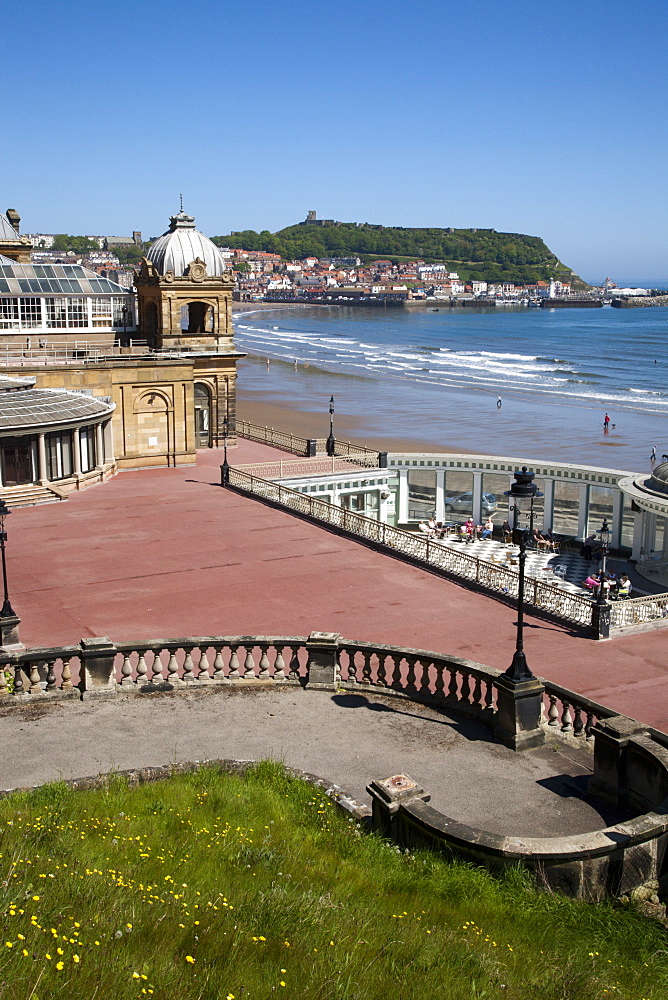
<point x="60" y="966"/>
<point x="190" y="959"/>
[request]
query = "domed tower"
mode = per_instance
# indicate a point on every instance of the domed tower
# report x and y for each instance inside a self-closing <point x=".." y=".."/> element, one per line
<point x="184" y="292"/>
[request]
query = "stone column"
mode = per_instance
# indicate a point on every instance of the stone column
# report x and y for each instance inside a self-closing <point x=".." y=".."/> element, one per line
<point x="323" y="664"/>
<point x="99" y="447"/>
<point x="611" y="737"/>
<point x="76" y="451"/>
<point x="43" y="474"/>
<point x="638" y="526"/>
<point x="519" y="707"/>
<point x="97" y="666"/>
<point x="108" y="442"/>
<point x="387" y="795"/>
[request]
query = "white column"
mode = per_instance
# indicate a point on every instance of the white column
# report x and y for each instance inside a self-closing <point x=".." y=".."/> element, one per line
<point x="76" y="451"/>
<point x="403" y="496"/>
<point x="108" y="442"/>
<point x="548" y="504"/>
<point x="477" y="497"/>
<point x="638" y="533"/>
<point x="99" y="447"/>
<point x="617" y="515"/>
<point x="440" y="495"/>
<point x="42" y="473"/>
<point x="582" y="511"/>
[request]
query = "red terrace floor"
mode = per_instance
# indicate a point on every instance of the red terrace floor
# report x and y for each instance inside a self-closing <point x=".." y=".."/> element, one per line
<point x="166" y="552"/>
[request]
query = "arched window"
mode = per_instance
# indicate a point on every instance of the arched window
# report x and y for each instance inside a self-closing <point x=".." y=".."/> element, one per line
<point x="202" y="415"/>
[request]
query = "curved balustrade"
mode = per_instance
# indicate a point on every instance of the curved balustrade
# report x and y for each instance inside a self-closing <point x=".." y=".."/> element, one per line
<point x="639" y="611"/>
<point x="574" y="608"/>
<point x="298" y="445"/>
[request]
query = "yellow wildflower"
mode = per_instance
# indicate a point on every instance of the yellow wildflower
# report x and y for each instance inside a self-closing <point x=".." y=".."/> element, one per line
<point x="190" y="959"/>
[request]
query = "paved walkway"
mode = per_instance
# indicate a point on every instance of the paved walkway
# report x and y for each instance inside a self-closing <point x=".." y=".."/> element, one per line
<point x="346" y="738"/>
<point x="166" y="552"/>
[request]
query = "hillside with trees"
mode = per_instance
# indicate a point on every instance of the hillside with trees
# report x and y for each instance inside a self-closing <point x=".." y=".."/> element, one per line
<point x="473" y="253"/>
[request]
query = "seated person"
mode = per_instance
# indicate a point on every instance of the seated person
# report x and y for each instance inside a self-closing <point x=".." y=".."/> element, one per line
<point x="431" y="524"/>
<point x="424" y="527"/>
<point x="471" y="530"/>
<point x="488" y="528"/>
<point x="592" y="582"/>
<point x="624" y="586"/>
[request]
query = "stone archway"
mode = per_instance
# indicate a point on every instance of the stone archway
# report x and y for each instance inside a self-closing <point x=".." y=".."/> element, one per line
<point x="151" y="318"/>
<point x="197" y="317"/>
<point x="202" y="415"/>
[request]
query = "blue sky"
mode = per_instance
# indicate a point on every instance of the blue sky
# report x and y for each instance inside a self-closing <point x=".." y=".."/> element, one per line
<point x="548" y="119"/>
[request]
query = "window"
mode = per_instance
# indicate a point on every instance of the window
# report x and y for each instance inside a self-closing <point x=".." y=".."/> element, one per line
<point x="56" y="313"/>
<point x="87" y="448"/>
<point x="9" y="314"/>
<point x="118" y="304"/>
<point x="601" y="499"/>
<point x="31" y="313"/>
<point x="628" y="522"/>
<point x="59" y="454"/>
<point x="565" y="512"/>
<point x="101" y="308"/>
<point x="77" y="313"/>
<point x="421" y="495"/>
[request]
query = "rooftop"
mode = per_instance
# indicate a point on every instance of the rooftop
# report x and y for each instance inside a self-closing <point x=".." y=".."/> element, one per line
<point x="58" y="279"/>
<point x="39" y="407"/>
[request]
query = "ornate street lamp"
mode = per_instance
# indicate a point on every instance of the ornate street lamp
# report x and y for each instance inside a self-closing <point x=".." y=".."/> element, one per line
<point x="331" y="441"/>
<point x="9" y="620"/>
<point x="225" y="467"/>
<point x="604" y="533"/>
<point x="522" y="493"/>
<point x="124" y="311"/>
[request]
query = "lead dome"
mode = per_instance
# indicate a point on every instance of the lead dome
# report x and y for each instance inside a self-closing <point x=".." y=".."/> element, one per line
<point x="176" y="249"/>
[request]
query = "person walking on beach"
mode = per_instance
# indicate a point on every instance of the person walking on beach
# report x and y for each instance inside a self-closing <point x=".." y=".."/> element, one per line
<point x="652" y="457"/>
<point x="498" y="403"/>
<point x="606" y="421"/>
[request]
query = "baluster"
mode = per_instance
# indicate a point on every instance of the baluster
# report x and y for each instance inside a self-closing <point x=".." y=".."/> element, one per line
<point x="142" y="669"/>
<point x="219" y="666"/>
<point x="126" y="671"/>
<point x="439" y="684"/>
<point x="410" y="676"/>
<point x="465" y="695"/>
<point x="279" y="665"/>
<point x="51" y="675"/>
<point x="425" y="687"/>
<point x="249" y="665"/>
<point x="234" y="665"/>
<point x="396" y="672"/>
<point x="489" y="698"/>
<point x="203" y="667"/>
<point x="18" y="679"/>
<point x="188" y="675"/>
<point x="295" y="666"/>
<point x="477" y="692"/>
<point x="35" y="686"/>
<point x="453" y="695"/>
<point x="3" y="680"/>
<point x="381" y="678"/>
<point x="589" y="726"/>
<point x="553" y="711"/>
<point x="264" y="674"/>
<point x="173" y="669"/>
<point x="578" y="724"/>
<point x="352" y="668"/>
<point x="157" y="667"/>
<point x="566" y="723"/>
<point x="366" y="668"/>
<point x="67" y="675"/>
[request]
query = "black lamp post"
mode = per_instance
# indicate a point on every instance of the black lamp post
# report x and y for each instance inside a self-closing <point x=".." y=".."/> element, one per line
<point x="331" y="441"/>
<point x="604" y="533"/>
<point x="124" y="310"/>
<point x="522" y="493"/>
<point x="225" y="467"/>
<point x="9" y="620"/>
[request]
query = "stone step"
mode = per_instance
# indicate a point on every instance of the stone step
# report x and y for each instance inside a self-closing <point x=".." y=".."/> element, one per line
<point x="30" y="495"/>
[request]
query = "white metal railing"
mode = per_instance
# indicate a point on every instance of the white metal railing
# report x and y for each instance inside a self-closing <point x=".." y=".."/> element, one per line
<point x="296" y="467"/>
<point x="574" y="608"/>
<point x="300" y="445"/>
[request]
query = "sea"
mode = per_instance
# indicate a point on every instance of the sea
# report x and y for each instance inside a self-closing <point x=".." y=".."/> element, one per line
<point x="511" y="381"/>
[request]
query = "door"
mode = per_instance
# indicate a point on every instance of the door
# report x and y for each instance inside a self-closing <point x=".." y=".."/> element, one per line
<point x="202" y="415"/>
<point x="18" y="461"/>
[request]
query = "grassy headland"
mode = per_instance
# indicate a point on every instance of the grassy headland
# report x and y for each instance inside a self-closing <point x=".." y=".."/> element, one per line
<point x="209" y="886"/>
<point x="474" y="253"/>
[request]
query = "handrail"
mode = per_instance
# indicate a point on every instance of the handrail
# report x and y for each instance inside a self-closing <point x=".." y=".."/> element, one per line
<point x="299" y="445"/>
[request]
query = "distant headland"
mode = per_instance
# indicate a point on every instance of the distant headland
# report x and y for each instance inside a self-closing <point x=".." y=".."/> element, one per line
<point x="474" y="253"/>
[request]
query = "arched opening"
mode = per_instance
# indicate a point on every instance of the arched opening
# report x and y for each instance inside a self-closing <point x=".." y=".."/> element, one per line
<point x="197" y="317"/>
<point x="202" y="415"/>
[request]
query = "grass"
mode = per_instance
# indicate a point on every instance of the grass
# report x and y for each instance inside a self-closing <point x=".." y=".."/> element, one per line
<point x="217" y="887"/>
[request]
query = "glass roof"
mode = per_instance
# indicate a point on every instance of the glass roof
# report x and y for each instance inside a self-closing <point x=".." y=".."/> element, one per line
<point x="53" y="279"/>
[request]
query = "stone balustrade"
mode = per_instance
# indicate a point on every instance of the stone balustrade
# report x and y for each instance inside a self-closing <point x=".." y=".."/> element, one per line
<point x="298" y="445"/>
